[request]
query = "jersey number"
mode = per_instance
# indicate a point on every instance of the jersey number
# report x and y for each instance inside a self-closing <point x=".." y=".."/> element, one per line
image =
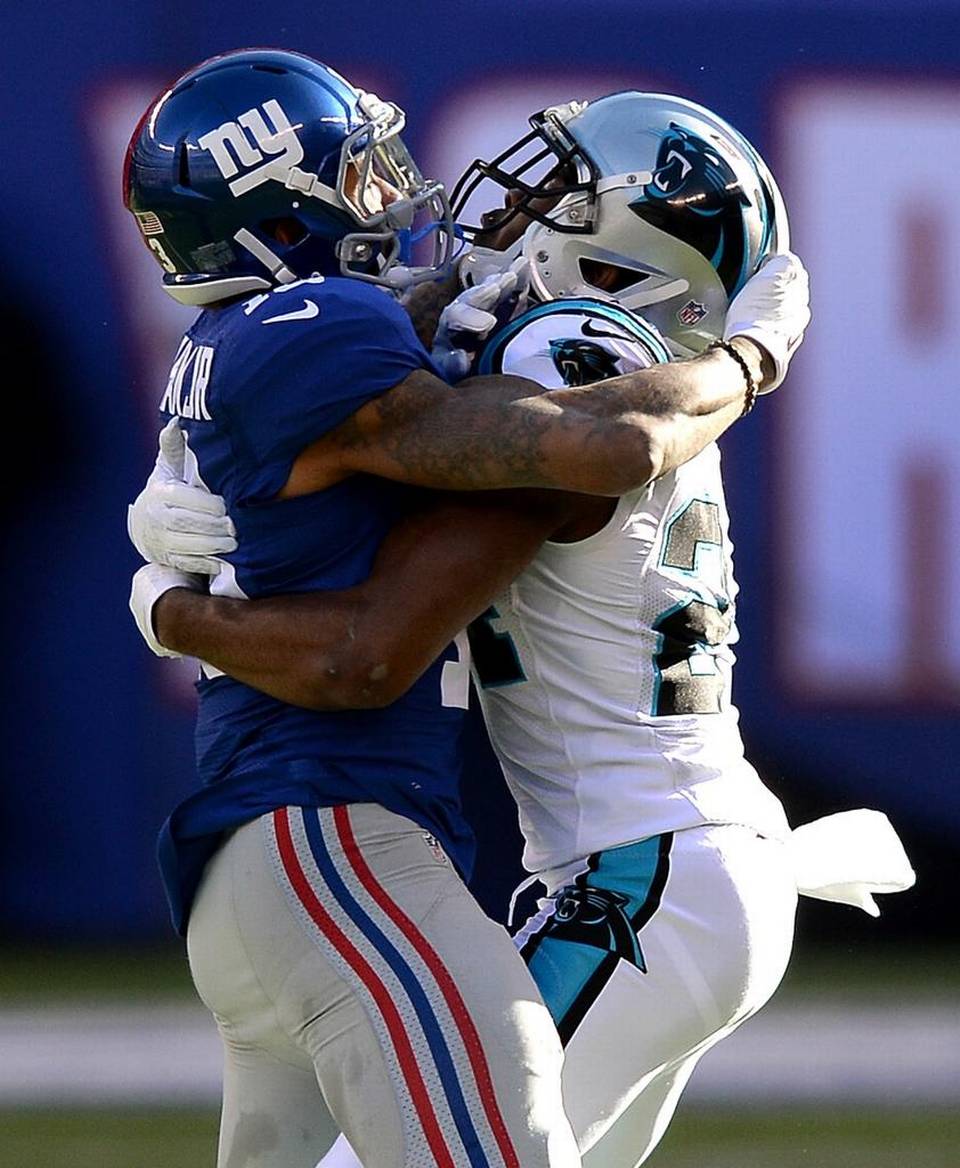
<point x="494" y="654"/>
<point x="455" y="676"/>
<point x="688" y="679"/>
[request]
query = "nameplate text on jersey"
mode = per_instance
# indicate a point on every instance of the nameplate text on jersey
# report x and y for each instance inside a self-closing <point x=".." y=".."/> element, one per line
<point x="186" y="392"/>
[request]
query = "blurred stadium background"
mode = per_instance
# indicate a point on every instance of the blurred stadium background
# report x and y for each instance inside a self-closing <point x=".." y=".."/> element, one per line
<point x="844" y="492"/>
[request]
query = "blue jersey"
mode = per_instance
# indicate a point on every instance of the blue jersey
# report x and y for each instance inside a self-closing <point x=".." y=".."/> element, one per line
<point x="253" y="384"/>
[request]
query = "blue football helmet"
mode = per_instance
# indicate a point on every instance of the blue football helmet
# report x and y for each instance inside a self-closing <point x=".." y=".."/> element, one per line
<point x="644" y="198"/>
<point x="261" y="167"/>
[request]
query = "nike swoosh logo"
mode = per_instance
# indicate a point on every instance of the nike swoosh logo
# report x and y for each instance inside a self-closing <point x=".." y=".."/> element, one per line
<point x="589" y="329"/>
<point x="308" y="312"/>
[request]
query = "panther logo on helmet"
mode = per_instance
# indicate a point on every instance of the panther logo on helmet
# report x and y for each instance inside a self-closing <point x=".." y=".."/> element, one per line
<point x="695" y="195"/>
<point x="645" y="199"/>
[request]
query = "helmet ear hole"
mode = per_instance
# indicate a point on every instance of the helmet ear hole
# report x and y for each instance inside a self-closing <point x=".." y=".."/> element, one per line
<point x="287" y="230"/>
<point x="608" y="277"/>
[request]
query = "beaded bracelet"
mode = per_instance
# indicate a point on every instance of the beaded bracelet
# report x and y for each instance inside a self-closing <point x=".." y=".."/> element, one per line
<point x="753" y="386"/>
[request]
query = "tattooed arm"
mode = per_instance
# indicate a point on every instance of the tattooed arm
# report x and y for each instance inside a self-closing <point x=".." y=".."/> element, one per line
<point x="492" y="432"/>
<point x="425" y="302"/>
<point x="600" y="439"/>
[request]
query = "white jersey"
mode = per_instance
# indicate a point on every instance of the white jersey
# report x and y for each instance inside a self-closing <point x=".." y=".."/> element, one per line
<point x="604" y="670"/>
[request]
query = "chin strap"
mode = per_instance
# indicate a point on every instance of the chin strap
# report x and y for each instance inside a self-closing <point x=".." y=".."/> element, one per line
<point x="258" y="249"/>
<point x="197" y="290"/>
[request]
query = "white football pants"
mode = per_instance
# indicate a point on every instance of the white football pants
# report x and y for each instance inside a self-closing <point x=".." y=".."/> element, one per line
<point x="648" y="955"/>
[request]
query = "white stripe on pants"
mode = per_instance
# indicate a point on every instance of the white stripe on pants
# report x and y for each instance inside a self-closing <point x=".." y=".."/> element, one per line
<point x="341" y="944"/>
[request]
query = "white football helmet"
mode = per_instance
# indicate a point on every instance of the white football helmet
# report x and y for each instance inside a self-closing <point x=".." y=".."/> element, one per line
<point x="643" y="198"/>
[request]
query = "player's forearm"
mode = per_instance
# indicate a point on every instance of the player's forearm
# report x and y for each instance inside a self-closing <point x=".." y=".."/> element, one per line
<point x="294" y="648"/>
<point x="616" y="435"/>
<point x="701" y="411"/>
<point x="364" y="647"/>
<point x="602" y="439"/>
<point x="692" y="388"/>
<point x="425" y="302"/>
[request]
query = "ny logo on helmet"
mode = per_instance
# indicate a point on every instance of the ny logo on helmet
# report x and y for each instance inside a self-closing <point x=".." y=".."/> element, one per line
<point x="243" y="144"/>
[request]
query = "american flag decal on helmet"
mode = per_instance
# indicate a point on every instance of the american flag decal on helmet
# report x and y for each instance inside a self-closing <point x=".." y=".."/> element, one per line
<point x="149" y="223"/>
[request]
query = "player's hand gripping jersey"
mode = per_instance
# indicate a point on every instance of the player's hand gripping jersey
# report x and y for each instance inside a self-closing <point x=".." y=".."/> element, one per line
<point x="253" y="384"/>
<point x="604" y="671"/>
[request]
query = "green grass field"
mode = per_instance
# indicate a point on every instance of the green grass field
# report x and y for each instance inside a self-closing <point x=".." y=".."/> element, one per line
<point x="800" y="1138"/>
<point x="748" y="1137"/>
<point x="38" y="974"/>
<point x="795" y="1138"/>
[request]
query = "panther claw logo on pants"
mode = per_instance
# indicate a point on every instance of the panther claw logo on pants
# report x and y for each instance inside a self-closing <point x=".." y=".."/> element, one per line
<point x="597" y="917"/>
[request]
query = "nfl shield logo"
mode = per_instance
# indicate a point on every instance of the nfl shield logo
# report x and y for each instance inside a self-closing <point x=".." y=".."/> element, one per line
<point x="692" y="313"/>
<point x="436" y="850"/>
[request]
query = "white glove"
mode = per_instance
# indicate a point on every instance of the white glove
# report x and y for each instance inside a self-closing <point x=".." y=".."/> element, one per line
<point x="175" y="524"/>
<point x="848" y="857"/>
<point x="148" y="585"/>
<point x="470" y="318"/>
<point x="773" y="309"/>
<point x="480" y="262"/>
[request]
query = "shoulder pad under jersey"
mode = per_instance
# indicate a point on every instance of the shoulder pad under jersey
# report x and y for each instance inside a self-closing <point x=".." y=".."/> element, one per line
<point x="573" y="342"/>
